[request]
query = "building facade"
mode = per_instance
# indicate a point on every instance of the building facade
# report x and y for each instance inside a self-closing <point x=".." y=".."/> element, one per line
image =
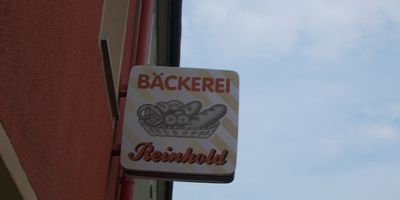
<point x="64" y="75"/>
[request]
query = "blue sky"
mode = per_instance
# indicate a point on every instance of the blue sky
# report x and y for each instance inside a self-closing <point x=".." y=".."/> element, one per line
<point x="319" y="95"/>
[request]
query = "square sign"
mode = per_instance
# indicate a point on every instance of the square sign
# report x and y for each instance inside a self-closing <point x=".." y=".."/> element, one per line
<point x="181" y="124"/>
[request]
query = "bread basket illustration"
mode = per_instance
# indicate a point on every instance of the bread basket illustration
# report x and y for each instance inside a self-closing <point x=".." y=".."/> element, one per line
<point x="176" y="119"/>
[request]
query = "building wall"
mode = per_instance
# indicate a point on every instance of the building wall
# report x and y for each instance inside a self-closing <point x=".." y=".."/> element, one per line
<point x="53" y="103"/>
<point x="54" y="109"/>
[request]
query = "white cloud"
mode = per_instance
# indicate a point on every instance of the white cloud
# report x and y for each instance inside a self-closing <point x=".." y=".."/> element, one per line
<point x="318" y="28"/>
<point x="382" y="122"/>
<point x="384" y="131"/>
<point x="330" y="148"/>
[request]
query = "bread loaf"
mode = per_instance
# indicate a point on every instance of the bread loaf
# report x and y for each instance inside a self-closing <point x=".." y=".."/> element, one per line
<point x="208" y="117"/>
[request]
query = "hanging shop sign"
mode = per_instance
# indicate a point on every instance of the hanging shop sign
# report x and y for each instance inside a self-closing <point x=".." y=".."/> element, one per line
<point x="181" y="124"/>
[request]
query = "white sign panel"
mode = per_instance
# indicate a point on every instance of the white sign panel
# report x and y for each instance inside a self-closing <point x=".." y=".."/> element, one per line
<point x="181" y="124"/>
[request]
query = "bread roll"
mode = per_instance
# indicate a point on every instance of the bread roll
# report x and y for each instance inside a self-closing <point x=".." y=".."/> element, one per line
<point x="191" y="108"/>
<point x="174" y="105"/>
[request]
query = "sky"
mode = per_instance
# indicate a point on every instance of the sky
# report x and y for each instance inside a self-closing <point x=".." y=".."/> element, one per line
<point x="319" y="95"/>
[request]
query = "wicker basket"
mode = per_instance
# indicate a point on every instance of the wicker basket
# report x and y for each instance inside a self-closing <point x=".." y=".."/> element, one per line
<point x="184" y="133"/>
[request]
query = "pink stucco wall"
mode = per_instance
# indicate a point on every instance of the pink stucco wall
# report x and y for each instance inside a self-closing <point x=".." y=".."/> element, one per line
<point x="53" y="103"/>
